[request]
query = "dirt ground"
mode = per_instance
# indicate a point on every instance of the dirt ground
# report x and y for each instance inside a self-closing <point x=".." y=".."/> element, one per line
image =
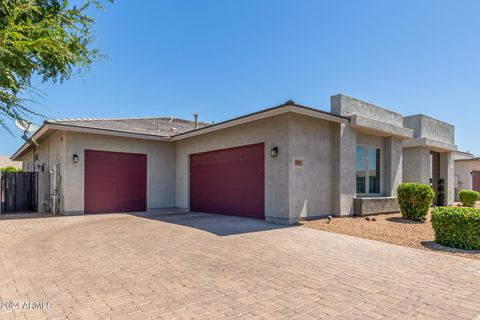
<point x="390" y="228"/>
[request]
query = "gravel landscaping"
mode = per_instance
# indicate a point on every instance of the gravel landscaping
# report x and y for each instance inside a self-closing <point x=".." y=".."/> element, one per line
<point x="390" y="228"/>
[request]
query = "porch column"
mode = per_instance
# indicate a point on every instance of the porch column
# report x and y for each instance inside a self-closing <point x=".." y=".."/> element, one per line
<point x="416" y="165"/>
<point x="393" y="166"/>
<point x="347" y="170"/>
<point x="447" y="172"/>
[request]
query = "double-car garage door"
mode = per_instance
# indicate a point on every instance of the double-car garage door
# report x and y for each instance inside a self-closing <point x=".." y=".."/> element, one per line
<point x="229" y="181"/>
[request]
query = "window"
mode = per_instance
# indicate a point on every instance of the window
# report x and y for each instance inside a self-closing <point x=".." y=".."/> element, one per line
<point x="373" y="170"/>
<point x="368" y="170"/>
<point x="361" y="173"/>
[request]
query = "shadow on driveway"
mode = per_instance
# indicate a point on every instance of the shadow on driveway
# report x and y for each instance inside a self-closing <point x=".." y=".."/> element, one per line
<point x="433" y="245"/>
<point x="220" y="225"/>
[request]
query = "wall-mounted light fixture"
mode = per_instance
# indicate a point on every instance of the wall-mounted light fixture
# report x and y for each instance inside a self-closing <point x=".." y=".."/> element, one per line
<point x="75" y="158"/>
<point x="274" y="152"/>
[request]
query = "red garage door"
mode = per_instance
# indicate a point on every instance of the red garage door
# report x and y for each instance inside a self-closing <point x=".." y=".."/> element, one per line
<point x="115" y="181"/>
<point x="476" y="180"/>
<point x="229" y="181"/>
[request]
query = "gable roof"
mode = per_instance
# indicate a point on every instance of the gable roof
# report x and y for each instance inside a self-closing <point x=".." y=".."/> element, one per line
<point x="160" y="128"/>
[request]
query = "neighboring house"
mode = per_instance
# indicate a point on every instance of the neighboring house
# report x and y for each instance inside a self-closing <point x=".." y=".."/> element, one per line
<point x="6" y="162"/>
<point x="467" y="172"/>
<point x="282" y="164"/>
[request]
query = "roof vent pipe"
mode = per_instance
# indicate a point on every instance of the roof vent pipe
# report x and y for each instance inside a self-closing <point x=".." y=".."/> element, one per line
<point x="195" y="115"/>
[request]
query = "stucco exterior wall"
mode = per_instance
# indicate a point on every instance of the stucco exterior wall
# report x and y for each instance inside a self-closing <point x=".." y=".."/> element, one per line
<point x="347" y="141"/>
<point x="272" y="131"/>
<point x="416" y="165"/>
<point x="292" y="191"/>
<point x="160" y="167"/>
<point x="345" y="106"/>
<point x="463" y="169"/>
<point x="426" y="127"/>
<point x="314" y="184"/>
<point x="447" y="169"/>
<point x="393" y="166"/>
<point x="49" y="152"/>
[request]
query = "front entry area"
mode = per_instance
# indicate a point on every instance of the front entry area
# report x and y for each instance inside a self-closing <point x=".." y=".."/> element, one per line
<point x="229" y="181"/>
<point x="115" y="182"/>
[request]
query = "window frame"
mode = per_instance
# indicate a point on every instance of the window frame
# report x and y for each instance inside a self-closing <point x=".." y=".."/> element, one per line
<point x="367" y="171"/>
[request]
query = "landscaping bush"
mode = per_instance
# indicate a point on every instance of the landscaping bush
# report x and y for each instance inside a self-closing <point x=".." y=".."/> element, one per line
<point x="10" y="169"/>
<point x="468" y="197"/>
<point x="457" y="227"/>
<point x="415" y="200"/>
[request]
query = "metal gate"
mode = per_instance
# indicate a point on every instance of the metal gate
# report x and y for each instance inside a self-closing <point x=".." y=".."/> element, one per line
<point x="19" y="192"/>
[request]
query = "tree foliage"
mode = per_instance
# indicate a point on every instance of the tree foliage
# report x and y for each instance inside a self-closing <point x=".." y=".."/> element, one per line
<point x="47" y="38"/>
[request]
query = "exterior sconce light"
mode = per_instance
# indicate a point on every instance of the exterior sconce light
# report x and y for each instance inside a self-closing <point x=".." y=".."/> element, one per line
<point x="274" y="152"/>
<point x="75" y="158"/>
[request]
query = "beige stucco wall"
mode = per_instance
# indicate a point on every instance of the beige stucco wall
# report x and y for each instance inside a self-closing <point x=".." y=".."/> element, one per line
<point x="463" y="170"/>
<point x="50" y="152"/>
<point x="160" y="167"/>
<point x="313" y="185"/>
<point x="272" y="131"/>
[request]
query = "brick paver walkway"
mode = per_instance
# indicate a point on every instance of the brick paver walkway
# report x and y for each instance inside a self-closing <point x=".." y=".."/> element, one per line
<point x="188" y="266"/>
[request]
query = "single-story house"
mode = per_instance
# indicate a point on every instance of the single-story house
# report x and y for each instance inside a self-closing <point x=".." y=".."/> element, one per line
<point x="467" y="172"/>
<point x="281" y="164"/>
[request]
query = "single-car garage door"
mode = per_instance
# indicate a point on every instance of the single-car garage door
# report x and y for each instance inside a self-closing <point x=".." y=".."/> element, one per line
<point x="115" y="182"/>
<point x="476" y="180"/>
<point x="229" y="181"/>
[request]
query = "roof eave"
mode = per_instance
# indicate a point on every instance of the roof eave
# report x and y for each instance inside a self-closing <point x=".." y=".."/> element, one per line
<point x="47" y="126"/>
<point x="27" y="145"/>
<point x="295" y="108"/>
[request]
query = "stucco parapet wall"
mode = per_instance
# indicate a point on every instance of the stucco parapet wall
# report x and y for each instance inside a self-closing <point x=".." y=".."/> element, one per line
<point x="431" y="144"/>
<point x="426" y="127"/>
<point x="346" y="106"/>
<point x="379" y="128"/>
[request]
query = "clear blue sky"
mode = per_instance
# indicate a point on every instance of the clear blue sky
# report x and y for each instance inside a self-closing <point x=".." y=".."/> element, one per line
<point x="227" y="58"/>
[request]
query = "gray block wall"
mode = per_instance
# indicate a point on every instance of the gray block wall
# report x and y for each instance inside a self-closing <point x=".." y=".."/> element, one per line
<point x="393" y="156"/>
<point x="427" y="127"/>
<point x="344" y="105"/>
<point x="347" y="142"/>
<point x="416" y="165"/>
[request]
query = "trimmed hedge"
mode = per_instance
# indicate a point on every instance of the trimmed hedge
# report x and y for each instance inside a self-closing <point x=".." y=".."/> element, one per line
<point x="415" y="200"/>
<point x="468" y="197"/>
<point x="457" y="227"/>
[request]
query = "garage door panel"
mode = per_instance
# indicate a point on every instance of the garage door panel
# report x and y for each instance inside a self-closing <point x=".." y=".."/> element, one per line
<point x="229" y="181"/>
<point x="476" y="180"/>
<point x="115" y="181"/>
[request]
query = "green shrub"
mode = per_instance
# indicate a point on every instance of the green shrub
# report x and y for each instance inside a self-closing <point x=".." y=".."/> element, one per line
<point x="457" y="227"/>
<point x="10" y="169"/>
<point x="415" y="200"/>
<point x="468" y="197"/>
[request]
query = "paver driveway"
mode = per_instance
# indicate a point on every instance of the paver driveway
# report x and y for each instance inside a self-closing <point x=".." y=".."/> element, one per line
<point x="183" y="266"/>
